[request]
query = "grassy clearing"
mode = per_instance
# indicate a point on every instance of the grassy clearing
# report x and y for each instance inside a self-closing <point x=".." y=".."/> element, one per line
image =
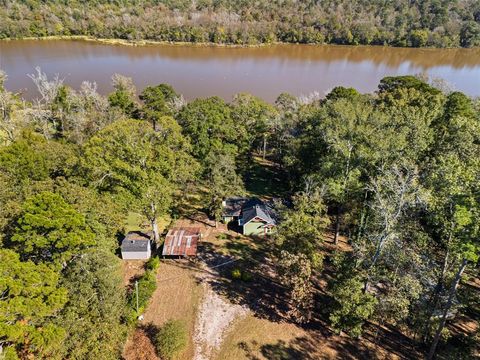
<point x="265" y="179"/>
<point x="136" y="221"/>
<point x="251" y="338"/>
<point x="261" y="339"/>
<point x="233" y="244"/>
<point x="177" y="297"/>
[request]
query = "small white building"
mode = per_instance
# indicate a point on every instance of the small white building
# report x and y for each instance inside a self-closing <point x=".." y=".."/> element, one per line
<point x="136" y="246"/>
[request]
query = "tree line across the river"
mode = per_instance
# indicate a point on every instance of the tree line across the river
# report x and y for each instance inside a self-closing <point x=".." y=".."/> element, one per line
<point x="396" y="172"/>
<point x="420" y="23"/>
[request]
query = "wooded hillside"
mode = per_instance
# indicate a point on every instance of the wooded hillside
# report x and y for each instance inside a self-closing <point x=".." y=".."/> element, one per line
<point x="437" y="23"/>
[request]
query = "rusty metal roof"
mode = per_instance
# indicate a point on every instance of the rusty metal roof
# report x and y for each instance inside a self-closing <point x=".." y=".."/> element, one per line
<point x="181" y="241"/>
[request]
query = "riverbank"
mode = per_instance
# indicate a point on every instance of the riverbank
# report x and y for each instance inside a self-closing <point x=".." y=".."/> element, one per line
<point x="126" y="42"/>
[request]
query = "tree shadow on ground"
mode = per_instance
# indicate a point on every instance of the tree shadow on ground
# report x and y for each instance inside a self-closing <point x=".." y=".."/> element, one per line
<point x="306" y="348"/>
<point x="233" y="226"/>
<point x="151" y="330"/>
<point x="265" y="179"/>
<point x="459" y="346"/>
<point x="391" y="341"/>
<point x="278" y="351"/>
<point x="260" y="293"/>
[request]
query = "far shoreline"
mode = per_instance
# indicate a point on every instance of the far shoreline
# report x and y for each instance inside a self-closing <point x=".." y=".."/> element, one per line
<point x="141" y="43"/>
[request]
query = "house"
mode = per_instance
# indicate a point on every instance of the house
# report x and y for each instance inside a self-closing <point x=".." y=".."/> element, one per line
<point x="181" y="241"/>
<point x="254" y="216"/>
<point x="136" y="246"/>
<point x="232" y="208"/>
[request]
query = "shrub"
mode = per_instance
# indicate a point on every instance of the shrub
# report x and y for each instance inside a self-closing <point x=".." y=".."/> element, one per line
<point x="236" y="274"/>
<point x="153" y="263"/>
<point x="352" y="306"/>
<point x="131" y="317"/>
<point x="222" y="236"/>
<point x="171" y="339"/>
<point x="147" y="285"/>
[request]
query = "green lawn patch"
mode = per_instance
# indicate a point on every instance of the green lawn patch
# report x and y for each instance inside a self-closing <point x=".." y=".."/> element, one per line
<point x="265" y="179"/>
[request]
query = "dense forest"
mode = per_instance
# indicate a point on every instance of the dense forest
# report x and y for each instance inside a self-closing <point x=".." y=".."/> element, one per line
<point x="395" y="173"/>
<point x="418" y="23"/>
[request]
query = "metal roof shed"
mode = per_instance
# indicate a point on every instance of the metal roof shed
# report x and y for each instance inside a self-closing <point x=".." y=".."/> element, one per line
<point x="181" y="241"/>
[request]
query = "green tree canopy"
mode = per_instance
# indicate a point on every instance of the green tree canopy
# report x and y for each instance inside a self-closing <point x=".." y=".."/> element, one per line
<point x="148" y="165"/>
<point x="470" y="34"/>
<point x="391" y="83"/>
<point x="295" y="273"/>
<point x="32" y="158"/>
<point x="303" y="227"/>
<point x="340" y="92"/>
<point x="209" y="125"/>
<point x="123" y="155"/>
<point x="221" y="179"/>
<point x="103" y="215"/>
<point x="49" y="229"/>
<point x="92" y="317"/>
<point x="124" y="95"/>
<point x="30" y="298"/>
<point x="258" y="120"/>
<point x="158" y="100"/>
<point x="352" y="306"/>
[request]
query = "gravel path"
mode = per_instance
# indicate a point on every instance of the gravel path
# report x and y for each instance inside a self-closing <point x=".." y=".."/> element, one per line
<point x="215" y="316"/>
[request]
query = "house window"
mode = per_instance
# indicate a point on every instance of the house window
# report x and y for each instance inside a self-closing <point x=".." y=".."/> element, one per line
<point x="240" y="222"/>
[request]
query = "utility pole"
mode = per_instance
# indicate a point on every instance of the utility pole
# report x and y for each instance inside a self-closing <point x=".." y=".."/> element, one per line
<point x="136" y="292"/>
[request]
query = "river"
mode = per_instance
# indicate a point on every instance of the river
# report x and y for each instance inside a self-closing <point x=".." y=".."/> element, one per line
<point x="201" y="71"/>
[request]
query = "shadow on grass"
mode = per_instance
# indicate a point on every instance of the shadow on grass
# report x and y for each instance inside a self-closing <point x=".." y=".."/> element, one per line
<point x="150" y="330"/>
<point x="266" y="299"/>
<point x="260" y="293"/>
<point x="460" y="346"/>
<point x="265" y="179"/>
<point x="306" y="348"/>
<point x="278" y="351"/>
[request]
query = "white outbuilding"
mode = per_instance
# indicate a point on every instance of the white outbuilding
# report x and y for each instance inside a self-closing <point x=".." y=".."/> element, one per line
<point x="136" y="246"/>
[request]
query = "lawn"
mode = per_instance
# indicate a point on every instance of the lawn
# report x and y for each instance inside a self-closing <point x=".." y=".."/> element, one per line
<point x="265" y="179"/>
<point x="260" y="331"/>
<point x="251" y="337"/>
<point x="249" y="316"/>
<point x="177" y="297"/>
<point x="136" y="221"/>
<point x="266" y="333"/>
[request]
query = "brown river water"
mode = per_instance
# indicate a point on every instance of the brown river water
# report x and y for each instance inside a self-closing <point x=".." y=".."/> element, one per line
<point x="201" y="71"/>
